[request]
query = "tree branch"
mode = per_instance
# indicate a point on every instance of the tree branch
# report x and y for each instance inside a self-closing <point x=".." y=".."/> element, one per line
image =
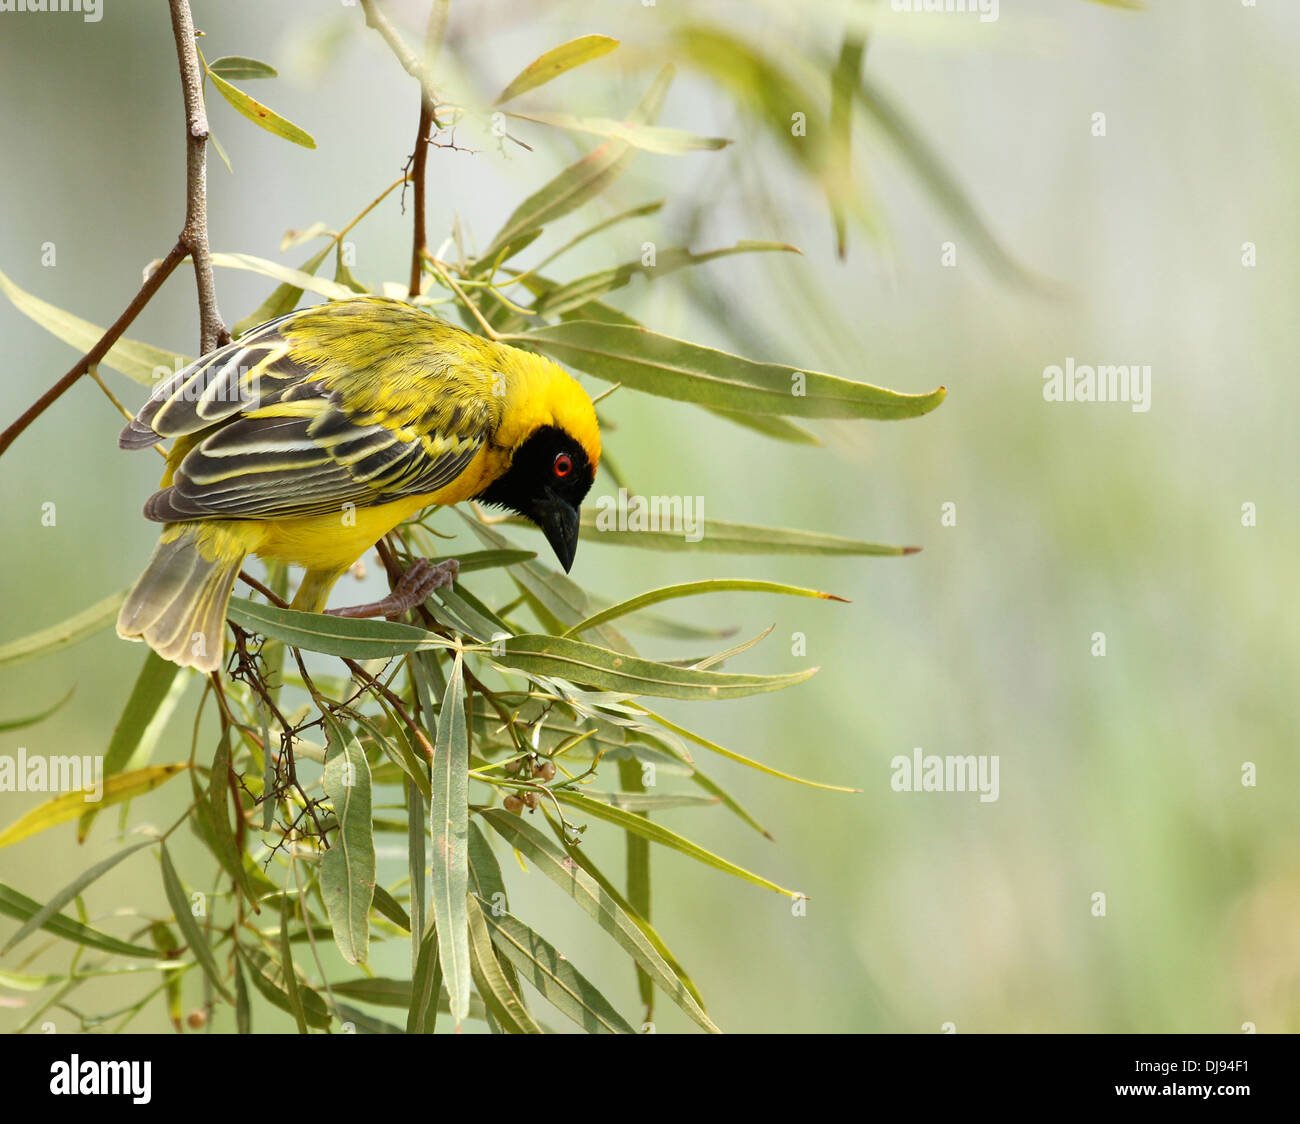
<point x="419" y="245"/>
<point x="151" y="285"/>
<point x="212" y="331"/>
<point x="193" y="241"/>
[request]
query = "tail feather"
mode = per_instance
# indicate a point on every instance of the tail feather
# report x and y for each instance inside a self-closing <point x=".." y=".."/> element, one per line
<point x="178" y="607"/>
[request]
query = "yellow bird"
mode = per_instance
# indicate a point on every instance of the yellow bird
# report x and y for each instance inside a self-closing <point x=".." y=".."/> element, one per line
<point x="315" y="434"/>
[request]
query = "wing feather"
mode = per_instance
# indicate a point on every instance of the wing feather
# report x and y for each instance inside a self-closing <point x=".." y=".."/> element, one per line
<point x="265" y="431"/>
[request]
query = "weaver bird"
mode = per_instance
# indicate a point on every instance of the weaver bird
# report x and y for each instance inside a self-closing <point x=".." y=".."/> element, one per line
<point x="315" y="434"/>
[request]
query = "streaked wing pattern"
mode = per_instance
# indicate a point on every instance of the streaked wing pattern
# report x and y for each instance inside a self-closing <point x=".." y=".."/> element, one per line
<point x="273" y="464"/>
<point x="253" y="370"/>
<point x="271" y="440"/>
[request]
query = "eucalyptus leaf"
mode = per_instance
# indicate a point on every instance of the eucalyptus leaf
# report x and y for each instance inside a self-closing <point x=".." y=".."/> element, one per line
<point x="672" y="368"/>
<point x="449" y="827"/>
<point x="347" y="870"/>
<point x="64" y="634"/>
<point x="556" y="61"/>
<point x="260" y="114"/>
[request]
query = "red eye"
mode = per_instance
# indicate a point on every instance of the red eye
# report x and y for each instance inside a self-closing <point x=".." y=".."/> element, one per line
<point x="563" y="464"/>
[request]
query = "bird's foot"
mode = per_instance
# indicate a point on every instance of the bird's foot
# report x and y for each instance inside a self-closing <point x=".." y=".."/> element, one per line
<point x="413" y="588"/>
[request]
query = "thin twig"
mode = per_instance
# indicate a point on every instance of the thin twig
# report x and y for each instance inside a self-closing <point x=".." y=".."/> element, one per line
<point x="412" y="65"/>
<point x="419" y="245"/>
<point x="194" y="236"/>
<point x="441" y="271"/>
<point x="193" y="241"/>
<point x="92" y="358"/>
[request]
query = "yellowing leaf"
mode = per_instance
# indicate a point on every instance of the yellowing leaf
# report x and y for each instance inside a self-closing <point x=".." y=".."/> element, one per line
<point x="555" y="62"/>
<point x="70" y="805"/>
<point x="260" y="114"/>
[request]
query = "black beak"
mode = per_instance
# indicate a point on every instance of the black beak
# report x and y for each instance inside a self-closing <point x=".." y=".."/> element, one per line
<point x="558" y="520"/>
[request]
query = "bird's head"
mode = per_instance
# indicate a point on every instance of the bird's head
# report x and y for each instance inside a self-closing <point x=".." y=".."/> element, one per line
<point x="554" y="465"/>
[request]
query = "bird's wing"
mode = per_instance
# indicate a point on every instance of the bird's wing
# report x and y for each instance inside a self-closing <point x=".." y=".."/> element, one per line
<point x="306" y="455"/>
<point x="263" y="434"/>
<point x="254" y="370"/>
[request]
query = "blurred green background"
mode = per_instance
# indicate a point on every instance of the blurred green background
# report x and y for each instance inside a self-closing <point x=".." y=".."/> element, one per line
<point x="1119" y="774"/>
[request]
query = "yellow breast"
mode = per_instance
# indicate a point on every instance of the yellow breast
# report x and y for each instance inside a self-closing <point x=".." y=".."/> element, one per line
<point x="336" y="540"/>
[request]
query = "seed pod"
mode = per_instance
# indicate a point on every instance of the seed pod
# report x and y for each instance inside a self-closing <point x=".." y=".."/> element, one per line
<point x="544" y="769"/>
<point x="530" y="798"/>
<point x="197" y="1020"/>
<point x="514" y="803"/>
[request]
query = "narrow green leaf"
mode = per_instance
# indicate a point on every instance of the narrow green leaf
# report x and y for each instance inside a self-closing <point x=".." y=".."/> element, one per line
<point x="770" y="425"/>
<point x="559" y="982"/>
<point x="389" y="907"/>
<point x="51" y="908"/>
<point x="673" y="368"/>
<point x="501" y="1000"/>
<point x="268" y="979"/>
<point x="556" y="61"/>
<point x="692" y="589"/>
<point x="70" y="805"/>
<point x="557" y="594"/>
<point x="648" y="138"/>
<point x="347" y="871"/>
<point x="449" y="829"/>
<point x="398" y="750"/>
<point x="740" y="758"/>
<point x="638" y="867"/>
<point x="221" y="152"/>
<point x="844" y="80"/>
<point x="718" y="537"/>
<point x="140" y="362"/>
<point x="34" y="719"/>
<point x="488" y="559"/>
<point x="260" y="114"/>
<point x="166" y="943"/>
<point x="64" y="634"/>
<point x="154" y="696"/>
<point x="243" y="1009"/>
<point x="417" y="866"/>
<point x="575" y="185"/>
<point x="335" y="636"/>
<point x="300" y="235"/>
<point x="242" y="69"/>
<point x="295" y="278"/>
<point x="576" y="293"/>
<point x="551" y="861"/>
<point x="21" y="907"/>
<point x="426" y="983"/>
<point x="343" y="274"/>
<point x="24" y="981"/>
<point x="362" y="1023"/>
<point x="287" y="971"/>
<point x="486" y="881"/>
<point x="656" y="833"/>
<point x="578" y="662"/>
<point x="633" y="801"/>
<point x="584" y="861"/>
<point x="212" y="822"/>
<point x="283" y="299"/>
<point x="189" y="927"/>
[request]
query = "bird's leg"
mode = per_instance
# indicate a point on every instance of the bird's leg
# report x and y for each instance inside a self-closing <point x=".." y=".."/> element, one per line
<point x="413" y="588"/>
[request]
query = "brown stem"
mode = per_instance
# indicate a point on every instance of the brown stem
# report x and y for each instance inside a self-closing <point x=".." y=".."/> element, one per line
<point x="193" y="241"/>
<point x="419" y="246"/>
<point x="151" y="285"/>
<point x="360" y="672"/>
<point x="212" y="331"/>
